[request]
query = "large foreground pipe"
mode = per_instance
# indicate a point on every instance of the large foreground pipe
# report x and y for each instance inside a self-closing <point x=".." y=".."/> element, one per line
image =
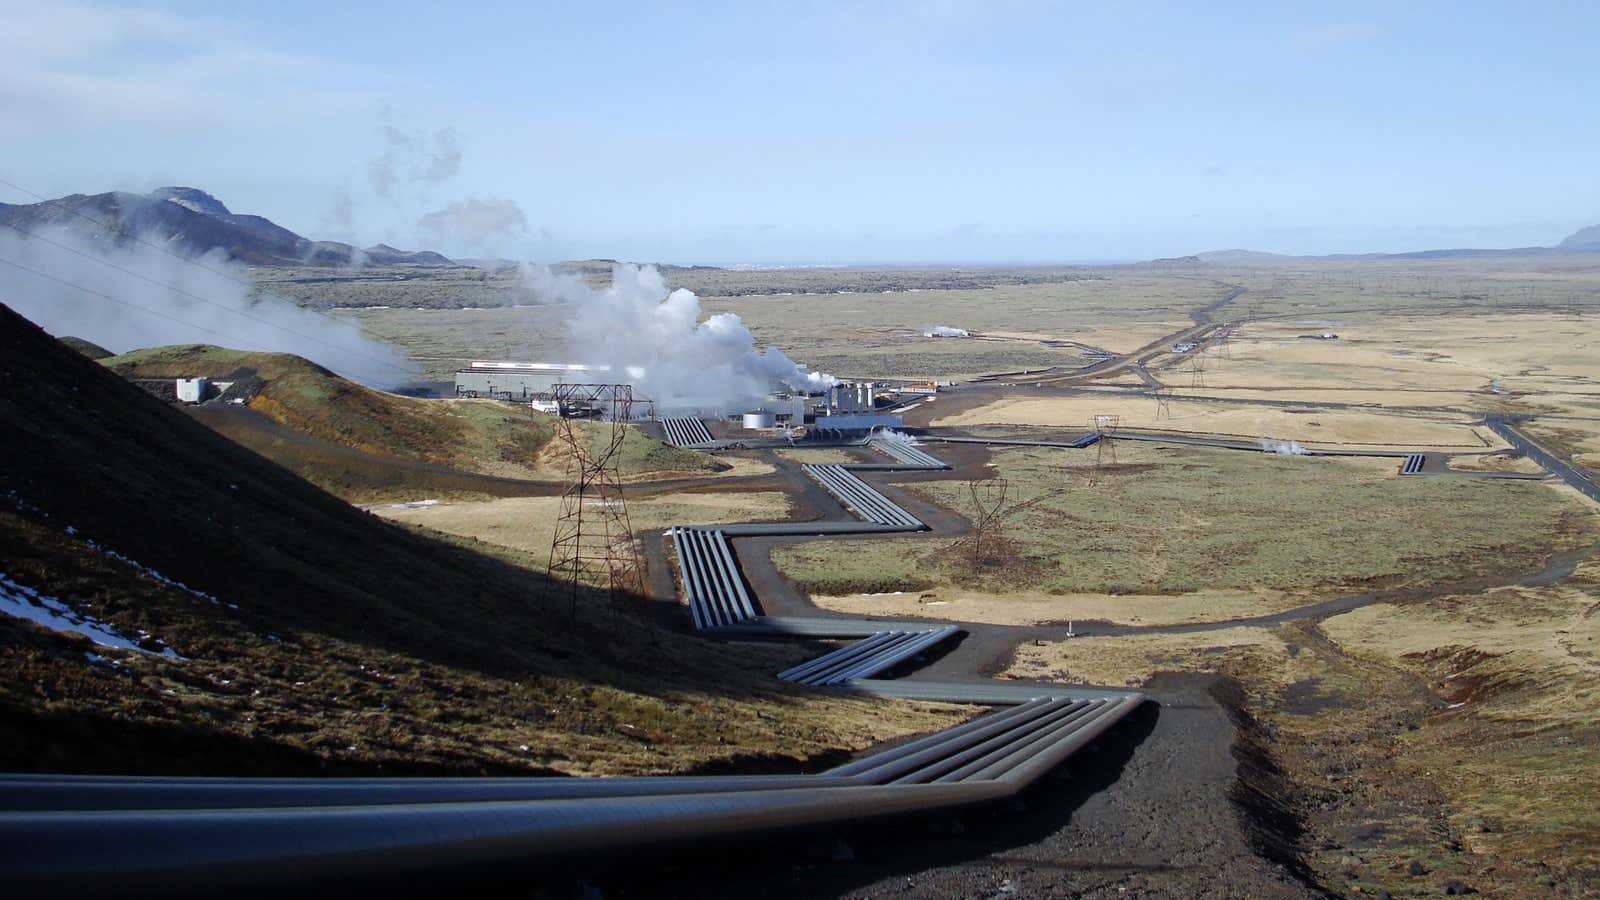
<point x="220" y="850"/>
<point x="980" y="723"/>
<point x="139" y="793"/>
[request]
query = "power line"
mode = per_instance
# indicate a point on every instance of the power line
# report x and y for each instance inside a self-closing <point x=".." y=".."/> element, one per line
<point x="177" y="290"/>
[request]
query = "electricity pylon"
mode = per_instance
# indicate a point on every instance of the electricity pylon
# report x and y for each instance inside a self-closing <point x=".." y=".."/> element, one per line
<point x="593" y="545"/>
<point x="1105" y="448"/>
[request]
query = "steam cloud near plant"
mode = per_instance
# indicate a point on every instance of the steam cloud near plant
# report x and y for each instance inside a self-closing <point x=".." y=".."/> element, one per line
<point x="654" y="339"/>
<point x="1282" y="448"/>
<point x="148" y="312"/>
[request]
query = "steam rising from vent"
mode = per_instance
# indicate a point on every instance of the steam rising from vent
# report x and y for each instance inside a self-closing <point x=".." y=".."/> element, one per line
<point x="945" y="331"/>
<point x="655" y="340"/>
<point x="1282" y="448"/>
<point x="167" y="288"/>
<point x="889" y="434"/>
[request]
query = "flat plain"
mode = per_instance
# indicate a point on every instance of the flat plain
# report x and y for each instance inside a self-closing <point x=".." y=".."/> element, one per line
<point x="1175" y="535"/>
<point x="1428" y="728"/>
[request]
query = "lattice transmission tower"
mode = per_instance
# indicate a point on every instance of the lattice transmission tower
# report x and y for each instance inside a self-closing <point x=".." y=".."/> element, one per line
<point x="1106" y="448"/>
<point x="1197" y="369"/>
<point x="593" y="545"/>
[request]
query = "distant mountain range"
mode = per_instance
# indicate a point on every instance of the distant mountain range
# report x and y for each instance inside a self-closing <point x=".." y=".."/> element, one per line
<point x="1584" y="240"/>
<point x="195" y="222"/>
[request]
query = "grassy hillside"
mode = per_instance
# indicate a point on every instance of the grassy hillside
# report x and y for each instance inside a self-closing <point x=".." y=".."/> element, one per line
<point x="485" y="437"/>
<point x="316" y="637"/>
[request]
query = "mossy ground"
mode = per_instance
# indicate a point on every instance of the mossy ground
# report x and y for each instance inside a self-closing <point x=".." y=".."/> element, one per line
<point x="1175" y="521"/>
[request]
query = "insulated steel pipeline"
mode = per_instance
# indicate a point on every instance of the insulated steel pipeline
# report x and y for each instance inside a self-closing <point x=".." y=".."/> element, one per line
<point x="103" y="835"/>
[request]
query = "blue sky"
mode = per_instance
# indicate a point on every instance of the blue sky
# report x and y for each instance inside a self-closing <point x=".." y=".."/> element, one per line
<point x="772" y="133"/>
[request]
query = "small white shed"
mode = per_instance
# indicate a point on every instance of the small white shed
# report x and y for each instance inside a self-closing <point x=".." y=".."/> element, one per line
<point x="191" y="390"/>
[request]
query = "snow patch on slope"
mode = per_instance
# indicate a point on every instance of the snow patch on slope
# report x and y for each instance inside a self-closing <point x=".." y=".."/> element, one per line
<point x="23" y="602"/>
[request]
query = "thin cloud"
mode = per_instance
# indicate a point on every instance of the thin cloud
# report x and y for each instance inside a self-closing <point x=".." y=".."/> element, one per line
<point x="68" y="65"/>
<point x="477" y="224"/>
<point x="1334" y="35"/>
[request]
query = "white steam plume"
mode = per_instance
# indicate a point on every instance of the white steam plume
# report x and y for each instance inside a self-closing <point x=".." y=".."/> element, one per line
<point x="945" y="331"/>
<point x="413" y="158"/>
<point x="475" y="223"/>
<point x="1282" y="448"/>
<point x="655" y="341"/>
<point x="166" y="287"/>
<point x="890" y="434"/>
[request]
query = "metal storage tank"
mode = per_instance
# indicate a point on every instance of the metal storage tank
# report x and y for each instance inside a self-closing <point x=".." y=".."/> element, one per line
<point x="760" y="420"/>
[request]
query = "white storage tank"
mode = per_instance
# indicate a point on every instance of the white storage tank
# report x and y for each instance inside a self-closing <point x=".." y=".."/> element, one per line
<point x="191" y="390"/>
<point x="761" y="419"/>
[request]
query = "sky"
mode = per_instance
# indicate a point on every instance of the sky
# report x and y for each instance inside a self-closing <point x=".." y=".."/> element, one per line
<point x="819" y="133"/>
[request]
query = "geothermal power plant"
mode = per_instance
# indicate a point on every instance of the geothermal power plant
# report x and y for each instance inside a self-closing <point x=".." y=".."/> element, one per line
<point x="845" y="406"/>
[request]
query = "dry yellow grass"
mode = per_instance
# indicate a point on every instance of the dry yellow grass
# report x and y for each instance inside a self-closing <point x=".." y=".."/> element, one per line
<point x="1125" y="337"/>
<point x="1496" y="462"/>
<point x="1131" y="659"/>
<point x="1321" y="427"/>
<point x="819" y="455"/>
<point x="1516" y="746"/>
<point x="877" y="334"/>
<point x="528" y="523"/>
<point x="1454" y="367"/>
<point x="1451" y="401"/>
<point x="1030" y="607"/>
<point x="1507" y="736"/>
<point x="1450" y="352"/>
<point x="1550" y="633"/>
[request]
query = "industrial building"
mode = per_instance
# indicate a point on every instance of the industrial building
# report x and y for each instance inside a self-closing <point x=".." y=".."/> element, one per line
<point x="532" y="382"/>
<point x="852" y="397"/>
<point x="193" y="390"/>
<point x="781" y="407"/>
<point x="520" y="381"/>
<point x="855" y="425"/>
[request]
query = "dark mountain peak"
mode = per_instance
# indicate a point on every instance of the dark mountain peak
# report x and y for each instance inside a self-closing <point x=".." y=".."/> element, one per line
<point x="1583" y="239"/>
<point x="197" y="223"/>
<point x="192" y="199"/>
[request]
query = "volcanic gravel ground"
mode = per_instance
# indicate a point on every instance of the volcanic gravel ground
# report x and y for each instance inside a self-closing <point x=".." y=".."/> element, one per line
<point x="1150" y="811"/>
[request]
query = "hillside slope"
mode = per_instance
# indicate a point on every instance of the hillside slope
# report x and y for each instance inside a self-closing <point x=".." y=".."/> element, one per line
<point x="485" y="437"/>
<point x="313" y="636"/>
